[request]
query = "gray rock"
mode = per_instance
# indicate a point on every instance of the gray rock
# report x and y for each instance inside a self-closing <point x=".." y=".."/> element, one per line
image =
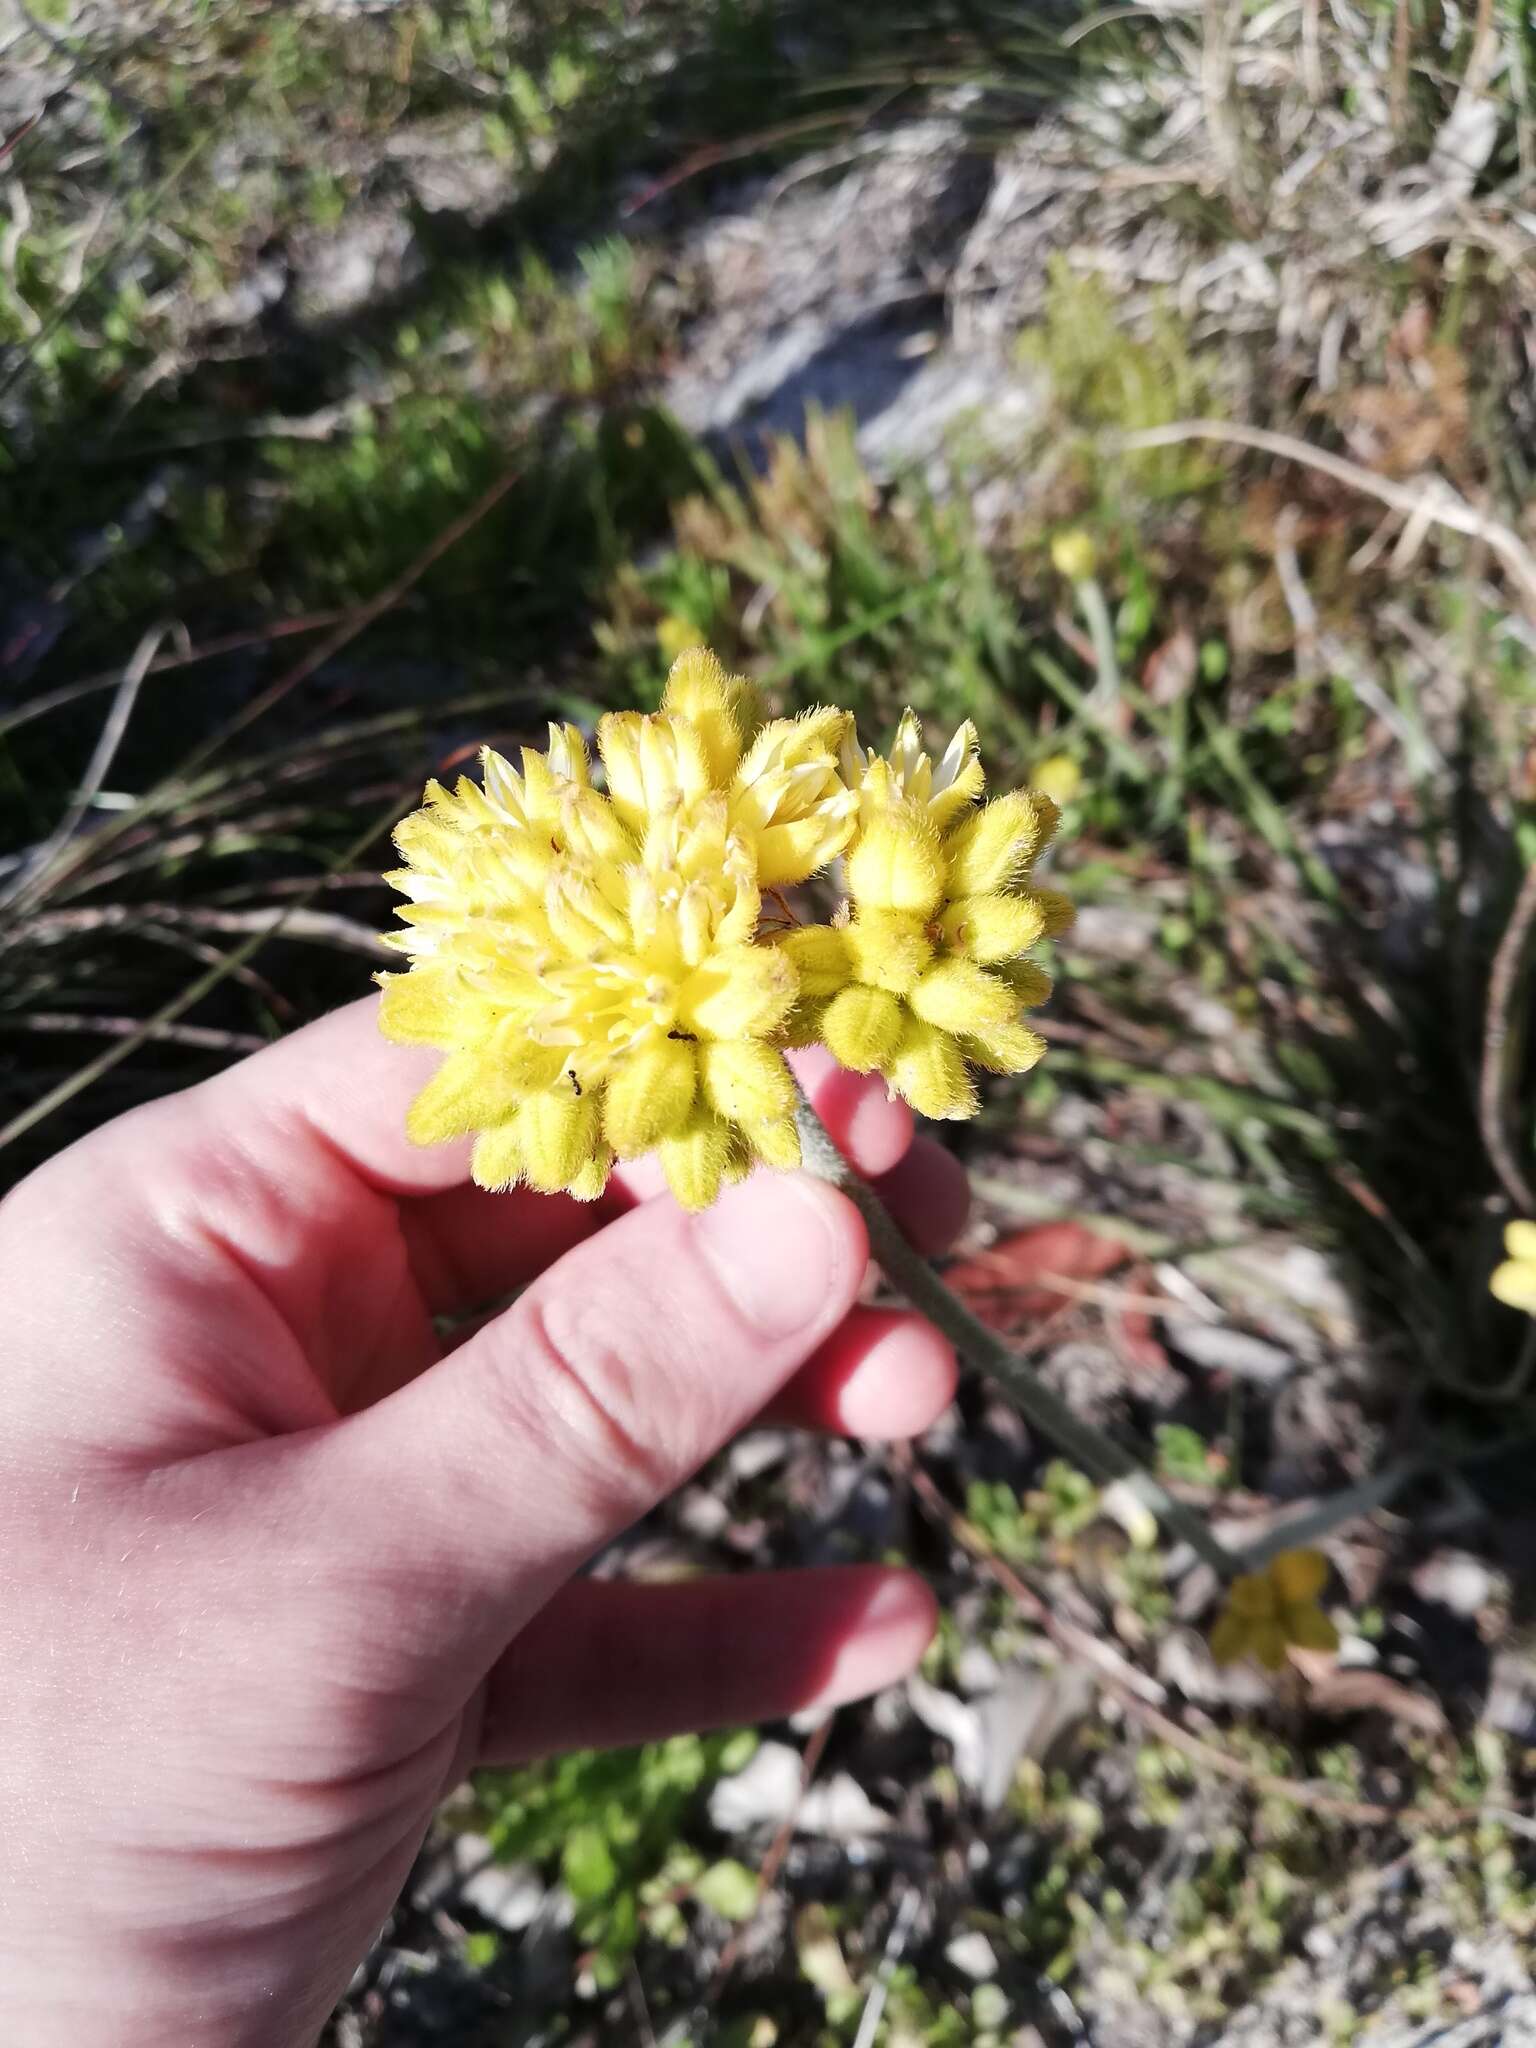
<point x="369" y="255"/>
<point x="1220" y="1349"/>
<point x="509" y="1895"/>
<point x="973" y="1956"/>
<point x="1115" y="931"/>
<point x="841" y="1810"/>
<point x="1456" y="1580"/>
<point x="763" y="1794"/>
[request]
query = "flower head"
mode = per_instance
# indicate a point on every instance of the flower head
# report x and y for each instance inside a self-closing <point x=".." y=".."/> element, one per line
<point x="1514" y="1282"/>
<point x="595" y="981"/>
<point x="1073" y="554"/>
<point x="907" y="774"/>
<point x="1267" y="1611"/>
<point x="926" y="975"/>
<point x="588" y="951"/>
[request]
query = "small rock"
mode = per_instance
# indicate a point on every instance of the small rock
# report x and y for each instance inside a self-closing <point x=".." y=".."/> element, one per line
<point x="841" y="1809"/>
<point x="1114" y="931"/>
<point x="247" y="298"/>
<point x="977" y="1670"/>
<point x="1218" y="1348"/>
<point x="1203" y="1014"/>
<point x="704" y="1515"/>
<point x="509" y="1895"/>
<point x="1122" y="1502"/>
<point x="948" y="1717"/>
<point x="761" y="1795"/>
<point x="973" y="1956"/>
<point x="951" y="391"/>
<point x="1510" y="1707"/>
<point x="758" y="1451"/>
<point x="1456" y="1580"/>
<point x="1185" y="1665"/>
<point x="369" y="255"/>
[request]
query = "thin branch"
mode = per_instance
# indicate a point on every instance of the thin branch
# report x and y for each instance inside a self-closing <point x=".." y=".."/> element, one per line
<point x="773" y="1862"/>
<point x="355" y="621"/>
<point x="204" y="1037"/>
<point x="231" y="643"/>
<point x="1431" y="499"/>
<point x="895" y="1944"/>
<point x="1502" y="1037"/>
<point x="346" y="630"/>
<point x="177" y="1006"/>
<point x="325" y="927"/>
<point x="34" y="873"/>
<point x="712" y="154"/>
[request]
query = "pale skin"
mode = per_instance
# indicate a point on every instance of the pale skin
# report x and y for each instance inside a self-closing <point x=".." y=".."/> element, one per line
<point x="280" y="1568"/>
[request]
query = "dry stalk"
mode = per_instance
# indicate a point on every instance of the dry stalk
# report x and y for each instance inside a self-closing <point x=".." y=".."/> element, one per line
<point x="1502" y="1037"/>
<point x="1429" y="501"/>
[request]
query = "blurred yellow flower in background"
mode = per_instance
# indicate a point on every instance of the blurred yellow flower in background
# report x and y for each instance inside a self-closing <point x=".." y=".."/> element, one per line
<point x="1059" y="777"/>
<point x="1073" y="555"/>
<point x="675" y="635"/>
<point x="1514" y="1282"/>
<point x="1267" y="1611"/>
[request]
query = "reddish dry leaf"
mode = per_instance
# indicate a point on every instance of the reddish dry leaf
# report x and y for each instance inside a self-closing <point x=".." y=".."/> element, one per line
<point x="1010" y="1285"/>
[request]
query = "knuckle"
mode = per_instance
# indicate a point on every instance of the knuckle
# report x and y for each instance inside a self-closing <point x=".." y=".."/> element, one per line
<point x="592" y="1395"/>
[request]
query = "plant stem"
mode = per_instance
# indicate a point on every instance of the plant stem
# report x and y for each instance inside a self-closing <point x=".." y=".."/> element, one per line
<point x="910" y="1273"/>
<point x="1501" y="1043"/>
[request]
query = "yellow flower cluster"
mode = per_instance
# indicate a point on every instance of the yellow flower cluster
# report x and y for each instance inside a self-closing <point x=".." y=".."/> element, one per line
<point x="1268" y="1610"/>
<point x="1514" y="1282"/>
<point x="924" y="972"/>
<point x="597" y="967"/>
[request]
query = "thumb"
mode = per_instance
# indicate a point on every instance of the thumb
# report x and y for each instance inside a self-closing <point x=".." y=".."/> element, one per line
<point x="472" y="1493"/>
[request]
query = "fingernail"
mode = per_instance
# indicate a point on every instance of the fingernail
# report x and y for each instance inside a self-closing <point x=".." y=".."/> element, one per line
<point x="773" y="1244"/>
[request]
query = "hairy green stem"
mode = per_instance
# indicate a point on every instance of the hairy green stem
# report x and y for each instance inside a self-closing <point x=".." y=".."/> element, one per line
<point x="910" y="1273"/>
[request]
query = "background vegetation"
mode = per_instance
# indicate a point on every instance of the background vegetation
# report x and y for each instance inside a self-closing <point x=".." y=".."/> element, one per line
<point x="1154" y="385"/>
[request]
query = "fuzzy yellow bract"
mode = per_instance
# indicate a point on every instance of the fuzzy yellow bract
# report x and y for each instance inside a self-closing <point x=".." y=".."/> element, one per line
<point x="590" y="949"/>
<point x="1269" y="1610"/>
<point x="1514" y="1282"/>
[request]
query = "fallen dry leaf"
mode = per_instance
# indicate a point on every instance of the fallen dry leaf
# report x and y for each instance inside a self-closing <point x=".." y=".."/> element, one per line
<point x="1011" y="1286"/>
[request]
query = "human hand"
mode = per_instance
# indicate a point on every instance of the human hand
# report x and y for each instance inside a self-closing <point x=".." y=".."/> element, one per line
<point x="278" y="1572"/>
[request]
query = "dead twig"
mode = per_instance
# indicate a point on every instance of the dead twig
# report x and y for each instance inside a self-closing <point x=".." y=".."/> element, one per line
<point x="1429" y="500"/>
<point x="203" y="1037"/>
<point x="1397" y="89"/>
<point x="712" y="154"/>
<point x="773" y="1862"/>
<point x="33" y="874"/>
<point x="324" y="927"/>
<point x="879" y="1991"/>
<point x="345" y="631"/>
<point x="177" y="1005"/>
<point x="207" y="650"/>
<point x="1502" y="1037"/>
